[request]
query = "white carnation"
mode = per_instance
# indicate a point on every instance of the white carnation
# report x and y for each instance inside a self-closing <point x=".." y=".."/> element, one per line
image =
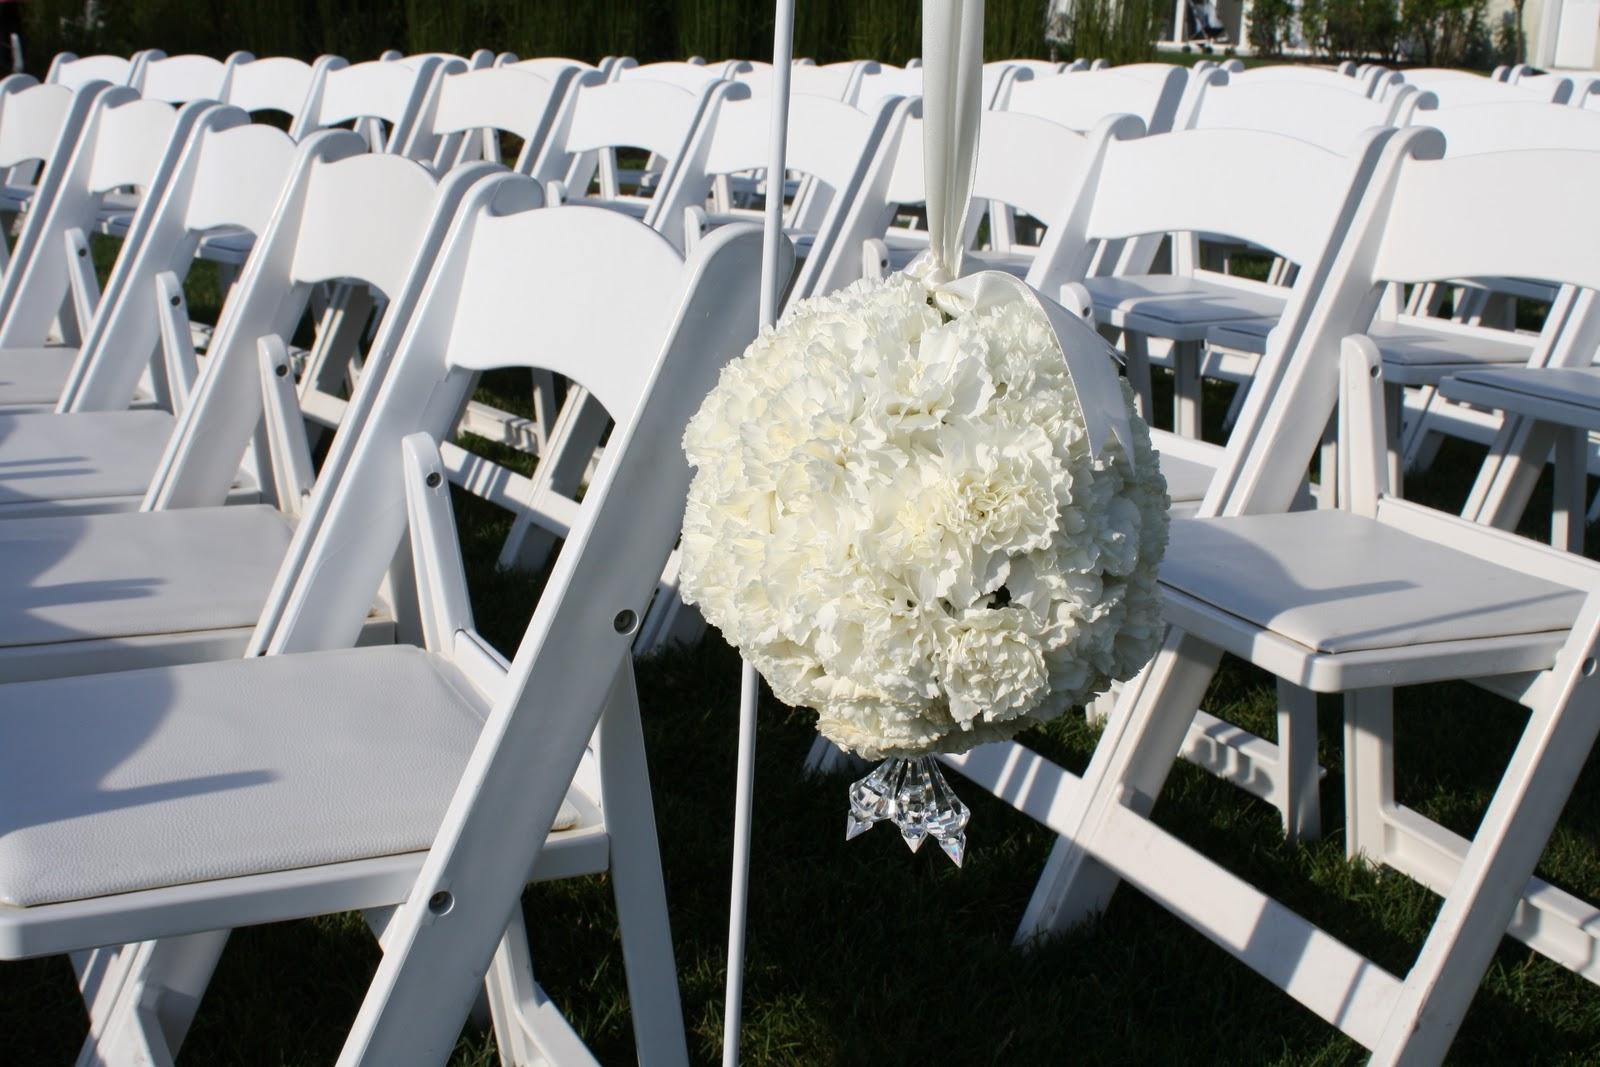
<point x="896" y="518"/>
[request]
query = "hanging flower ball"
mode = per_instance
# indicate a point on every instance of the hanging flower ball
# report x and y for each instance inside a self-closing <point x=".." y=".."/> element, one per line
<point x="896" y="517"/>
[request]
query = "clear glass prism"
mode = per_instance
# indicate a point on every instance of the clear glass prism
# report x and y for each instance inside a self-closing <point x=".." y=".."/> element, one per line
<point x="912" y="794"/>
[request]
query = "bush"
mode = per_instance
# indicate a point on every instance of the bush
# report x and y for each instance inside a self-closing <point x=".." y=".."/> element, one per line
<point x="1118" y="31"/>
<point x="1446" y="33"/>
<point x="1351" y="29"/>
<point x="1272" y="26"/>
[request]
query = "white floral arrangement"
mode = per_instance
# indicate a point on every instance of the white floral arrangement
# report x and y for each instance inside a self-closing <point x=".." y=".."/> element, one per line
<point x="896" y="517"/>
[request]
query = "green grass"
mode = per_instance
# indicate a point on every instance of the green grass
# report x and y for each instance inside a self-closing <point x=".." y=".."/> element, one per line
<point x="862" y="953"/>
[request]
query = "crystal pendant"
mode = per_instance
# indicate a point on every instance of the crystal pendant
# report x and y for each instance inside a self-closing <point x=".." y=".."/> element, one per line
<point x="913" y="794"/>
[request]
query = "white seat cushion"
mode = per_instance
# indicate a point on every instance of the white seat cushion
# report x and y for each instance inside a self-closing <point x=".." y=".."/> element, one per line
<point x="112" y="783"/>
<point x="1570" y="395"/>
<point x="1170" y="301"/>
<point x="34" y="377"/>
<point x="1336" y="582"/>
<point x="1245" y="335"/>
<point x="81" y="456"/>
<point x="84" y="577"/>
<point x="1415" y="354"/>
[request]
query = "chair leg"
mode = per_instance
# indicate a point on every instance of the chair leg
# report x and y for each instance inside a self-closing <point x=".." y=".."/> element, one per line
<point x="147" y="997"/>
<point x="1571" y="470"/>
<point x="1186" y="356"/>
<point x="1136" y="347"/>
<point x="1418" y="442"/>
<point x="1510" y="473"/>
<point x="1129" y="767"/>
<point x="1301" y="804"/>
<point x="636" y="881"/>
<point x="1548" y="758"/>
<point x="573" y="438"/>
<point x="528" y="1028"/>
<point x="1394" y="408"/>
<point x="1368" y="771"/>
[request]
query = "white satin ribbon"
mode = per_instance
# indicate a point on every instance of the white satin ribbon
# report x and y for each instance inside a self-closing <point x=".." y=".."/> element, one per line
<point x="952" y="111"/>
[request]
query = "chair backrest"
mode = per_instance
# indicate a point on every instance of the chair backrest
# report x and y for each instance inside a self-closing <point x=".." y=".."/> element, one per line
<point x="278" y="83"/>
<point x="465" y="110"/>
<point x="124" y="141"/>
<point x="390" y="93"/>
<point x="1079" y="100"/>
<point x="479" y="59"/>
<point x="1455" y="88"/>
<point x="545" y="66"/>
<point x="76" y="71"/>
<point x="180" y="79"/>
<point x="835" y="81"/>
<point x="1024" y="162"/>
<point x="829" y="142"/>
<point x="690" y="76"/>
<point x="1408" y="229"/>
<point x="1266" y="189"/>
<point x="1511" y="125"/>
<point x="518" y="287"/>
<point x="659" y="117"/>
<point x="1326" y="116"/>
<point x="230" y="173"/>
<point x="872" y="87"/>
<point x="34" y="118"/>
<point x="1300" y="74"/>
<point x="347" y="215"/>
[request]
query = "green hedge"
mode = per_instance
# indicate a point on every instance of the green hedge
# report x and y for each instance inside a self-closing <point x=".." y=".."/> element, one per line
<point x="826" y="30"/>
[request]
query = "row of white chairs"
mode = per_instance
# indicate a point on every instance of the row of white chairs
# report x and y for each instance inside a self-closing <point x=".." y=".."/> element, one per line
<point x="1335" y="214"/>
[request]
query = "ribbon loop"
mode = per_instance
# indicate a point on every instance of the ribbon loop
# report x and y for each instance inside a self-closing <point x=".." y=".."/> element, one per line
<point x="952" y="110"/>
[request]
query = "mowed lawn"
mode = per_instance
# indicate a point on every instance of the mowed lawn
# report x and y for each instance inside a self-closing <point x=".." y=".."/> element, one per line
<point x="862" y="953"/>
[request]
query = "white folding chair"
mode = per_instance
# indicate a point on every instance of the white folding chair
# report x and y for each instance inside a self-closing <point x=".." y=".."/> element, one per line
<point x="38" y="123"/>
<point x="180" y="79"/>
<point x="1262" y="189"/>
<point x="465" y="113"/>
<point x="598" y="118"/>
<point x="90" y="461"/>
<point x="279" y="84"/>
<point x="201" y="571"/>
<point x="873" y="87"/>
<point x="1455" y="88"/>
<point x="142" y="310"/>
<point x="124" y="142"/>
<point x="1358" y="600"/>
<point x="453" y="718"/>
<point x="835" y="81"/>
<point x="75" y="71"/>
<point x="1318" y="112"/>
<point x="382" y="100"/>
<point x="1302" y="74"/>
<point x="692" y="77"/>
<point x="1078" y="100"/>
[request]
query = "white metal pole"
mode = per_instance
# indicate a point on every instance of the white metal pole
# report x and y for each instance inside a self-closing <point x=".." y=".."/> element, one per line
<point x="750" y="685"/>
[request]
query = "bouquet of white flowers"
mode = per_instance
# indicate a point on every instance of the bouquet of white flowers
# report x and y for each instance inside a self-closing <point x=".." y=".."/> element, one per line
<point x="897" y="518"/>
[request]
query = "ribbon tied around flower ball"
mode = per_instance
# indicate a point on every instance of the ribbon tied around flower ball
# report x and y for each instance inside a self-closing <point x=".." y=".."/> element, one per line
<point x="952" y="112"/>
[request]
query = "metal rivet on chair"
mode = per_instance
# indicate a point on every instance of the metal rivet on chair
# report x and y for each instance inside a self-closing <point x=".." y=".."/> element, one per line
<point x="441" y="902"/>
<point x="625" y="621"/>
<point x="281" y="370"/>
<point x="432" y="480"/>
